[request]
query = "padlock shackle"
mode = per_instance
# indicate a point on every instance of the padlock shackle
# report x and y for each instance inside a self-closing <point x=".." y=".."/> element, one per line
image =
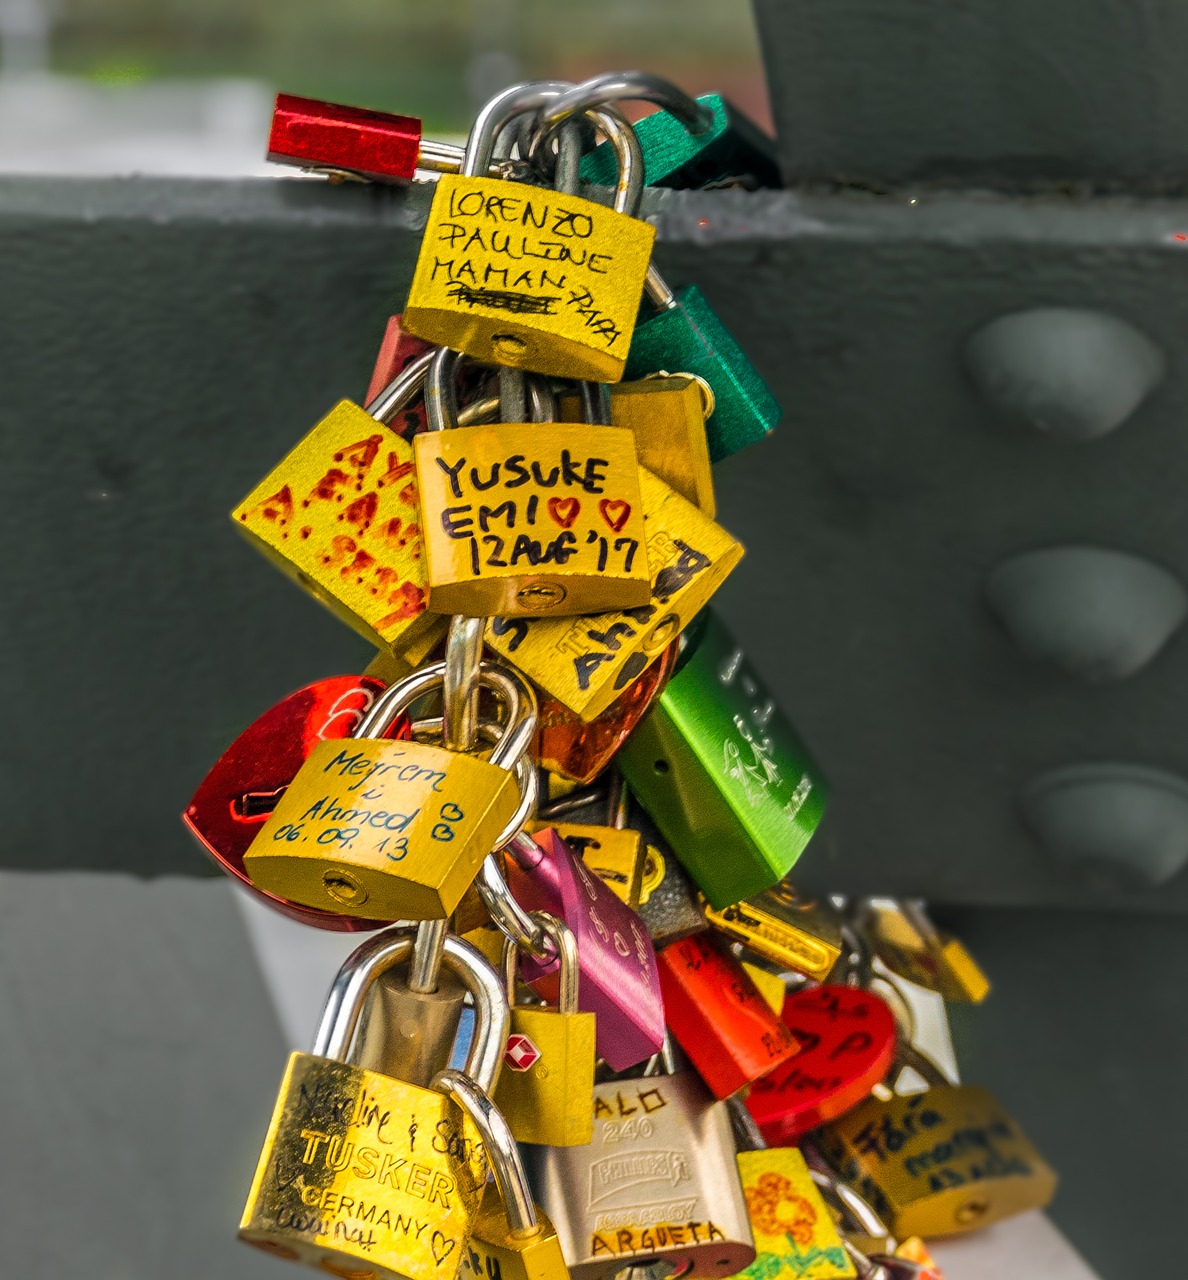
<point x="499" y="111"/>
<point x="635" y="86"/>
<point x="381" y="953"/>
<point x="563" y="939"/>
<point x="441" y="390"/>
<point x="401" y="391"/>
<point x="460" y="684"/>
<point x="864" y="1215"/>
<point x="747" y="1134"/>
<point x="629" y="184"/>
<point x="502" y="1153"/>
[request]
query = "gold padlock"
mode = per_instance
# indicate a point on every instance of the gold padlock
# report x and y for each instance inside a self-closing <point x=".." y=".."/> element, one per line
<point x="667" y="413"/>
<point x="586" y="662"/>
<point x="394" y="830"/>
<point x="338" y="514"/>
<point x="546" y="1089"/>
<point x="784" y="926"/>
<point x="614" y="853"/>
<point x="938" y="1163"/>
<point x="528" y="277"/>
<point x="362" y="1175"/>
<point x="909" y="944"/>
<point x="510" y="1237"/>
<point x="527" y="519"/>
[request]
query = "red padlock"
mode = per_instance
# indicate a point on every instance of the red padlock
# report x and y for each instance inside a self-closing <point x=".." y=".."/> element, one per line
<point x="326" y="135"/>
<point x="847" y="1043"/>
<point x="242" y="789"/>
<point x="718" y="1016"/>
<point x="397" y="350"/>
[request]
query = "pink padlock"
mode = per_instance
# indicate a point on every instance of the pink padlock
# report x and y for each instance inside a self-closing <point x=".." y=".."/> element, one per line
<point x="618" y="980"/>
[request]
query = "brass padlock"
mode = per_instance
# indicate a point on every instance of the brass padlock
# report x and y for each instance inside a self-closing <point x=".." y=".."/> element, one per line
<point x="909" y="944"/>
<point x="786" y="927"/>
<point x="528" y="519"/>
<point x="528" y="277"/>
<point x="394" y="830"/>
<point x="510" y="1238"/>
<point x="585" y="663"/>
<point x="338" y="514"/>
<point x="940" y="1162"/>
<point x="667" y="413"/>
<point x="614" y="852"/>
<point x="547" y="1082"/>
<point x="362" y="1175"/>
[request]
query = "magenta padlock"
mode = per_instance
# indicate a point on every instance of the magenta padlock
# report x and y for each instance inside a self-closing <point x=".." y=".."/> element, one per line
<point x="618" y="980"/>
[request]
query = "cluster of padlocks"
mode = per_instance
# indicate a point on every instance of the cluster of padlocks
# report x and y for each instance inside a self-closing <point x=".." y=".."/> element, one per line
<point x="560" y="794"/>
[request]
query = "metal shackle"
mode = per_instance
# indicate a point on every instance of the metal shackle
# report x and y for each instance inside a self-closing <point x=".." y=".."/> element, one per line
<point x="562" y="938"/>
<point x="502" y="1153"/>
<point x="621" y="86"/>
<point x="500" y="111"/>
<point x="629" y="184"/>
<point x="385" y="950"/>
<point x="401" y="391"/>
<point x="862" y="1213"/>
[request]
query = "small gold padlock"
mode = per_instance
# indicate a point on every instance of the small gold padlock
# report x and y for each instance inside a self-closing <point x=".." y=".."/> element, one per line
<point x="938" y="1163"/>
<point x="529" y="277"/>
<point x="546" y="1089"/>
<point x="784" y="926"/>
<point x="909" y="944"/>
<point x="528" y="519"/>
<point x="615" y="856"/>
<point x="362" y="1175"/>
<point x="586" y="662"/>
<point x="339" y="515"/>
<point x="667" y="413"/>
<point x="394" y="830"/>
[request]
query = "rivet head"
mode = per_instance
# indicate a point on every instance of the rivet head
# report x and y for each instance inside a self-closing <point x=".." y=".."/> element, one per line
<point x="1076" y="374"/>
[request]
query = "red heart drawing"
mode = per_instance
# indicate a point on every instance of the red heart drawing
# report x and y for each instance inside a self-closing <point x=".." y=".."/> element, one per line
<point x="564" y="510"/>
<point x="615" y="512"/>
<point x="847" y="1042"/>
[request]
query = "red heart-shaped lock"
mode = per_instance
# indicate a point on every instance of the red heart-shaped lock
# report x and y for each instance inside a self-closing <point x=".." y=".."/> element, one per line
<point x="847" y="1043"/>
<point x="241" y="790"/>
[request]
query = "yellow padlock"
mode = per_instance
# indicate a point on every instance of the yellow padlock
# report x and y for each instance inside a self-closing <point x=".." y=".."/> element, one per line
<point x="909" y="944"/>
<point x="528" y="519"/>
<point x="586" y="662"/>
<point x="667" y="413"/>
<point x="546" y="1088"/>
<point x="389" y="829"/>
<point x="364" y="1175"/>
<point x="525" y="276"/>
<point x="339" y="515"/>
<point x="785" y="926"/>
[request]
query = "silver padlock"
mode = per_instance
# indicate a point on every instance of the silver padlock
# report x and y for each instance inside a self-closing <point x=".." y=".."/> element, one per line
<point x="657" y="1185"/>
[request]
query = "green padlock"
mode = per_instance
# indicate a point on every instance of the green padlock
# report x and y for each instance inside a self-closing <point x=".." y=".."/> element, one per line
<point x="716" y="763"/>
<point x="733" y="149"/>
<point x="686" y="334"/>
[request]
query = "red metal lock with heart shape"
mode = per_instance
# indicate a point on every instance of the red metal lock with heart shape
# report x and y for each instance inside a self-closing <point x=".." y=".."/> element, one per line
<point x="240" y="792"/>
<point x="847" y="1040"/>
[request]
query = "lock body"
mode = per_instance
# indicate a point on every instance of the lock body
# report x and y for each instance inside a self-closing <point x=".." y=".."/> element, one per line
<point x="667" y="416"/>
<point x="614" y="855"/>
<point x="363" y="1174"/>
<point x="530" y="278"/>
<point x="794" y="1231"/>
<point x="669" y="904"/>
<point x="909" y="944"/>
<point x="532" y="520"/>
<point x="587" y="662"/>
<point x="717" y="1015"/>
<point x="386" y="830"/>
<point x="938" y="1163"/>
<point x="690" y="337"/>
<point x="326" y="135"/>
<point x="339" y="516"/>
<point x="770" y="985"/>
<point x="547" y="1079"/>
<point x="785" y="927"/>
<point x="732" y="147"/>
<point x="657" y="1183"/>
<point x="493" y="1253"/>
<point x="718" y="766"/>
<point x="409" y="1034"/>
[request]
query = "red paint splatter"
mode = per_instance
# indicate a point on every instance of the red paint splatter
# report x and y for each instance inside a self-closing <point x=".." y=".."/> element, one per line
<point x="412" y="604"/>
<point x="360" y="564"/>
<point x="362" y="511"/>
<point x="341" y="546"/>
<point x="397" y="470"/>
<point x="362" y="453"/>
<point x="279" y="507"/>
<point x="326" y="487"/>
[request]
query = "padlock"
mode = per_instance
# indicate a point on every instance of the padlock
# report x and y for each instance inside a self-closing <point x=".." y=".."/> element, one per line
<point x="363" y="1175"/>
<point x="579" y="749"/>
<point x="587" y="662"/>
<point x="397" y="351"/>
<point x="667" y="413"/>
<point x="847" y="1041"/>
<point x="794" y="1230"/>
<point x="669" y="904"/>
<point x="658" y="1183"/>
<point x="938" y="1163"/>
<point x="339" y="515"/>
<point x="686" y="333"/>
<point x="510" y="1237"/>
<point x="786" y="927"/>
<point x="617" y="976"/>
<point x="527" y="277"/>
<point x="718" y="766"/>
<point x="393" y="830"/>
<point x="909" y="944"/>
<point x="528" y="519"/>
<point x="241" y="790"/>
<point x="716" y="1014"/>
<point x="548" y="1070"/>
<point x="770" y="985"/>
